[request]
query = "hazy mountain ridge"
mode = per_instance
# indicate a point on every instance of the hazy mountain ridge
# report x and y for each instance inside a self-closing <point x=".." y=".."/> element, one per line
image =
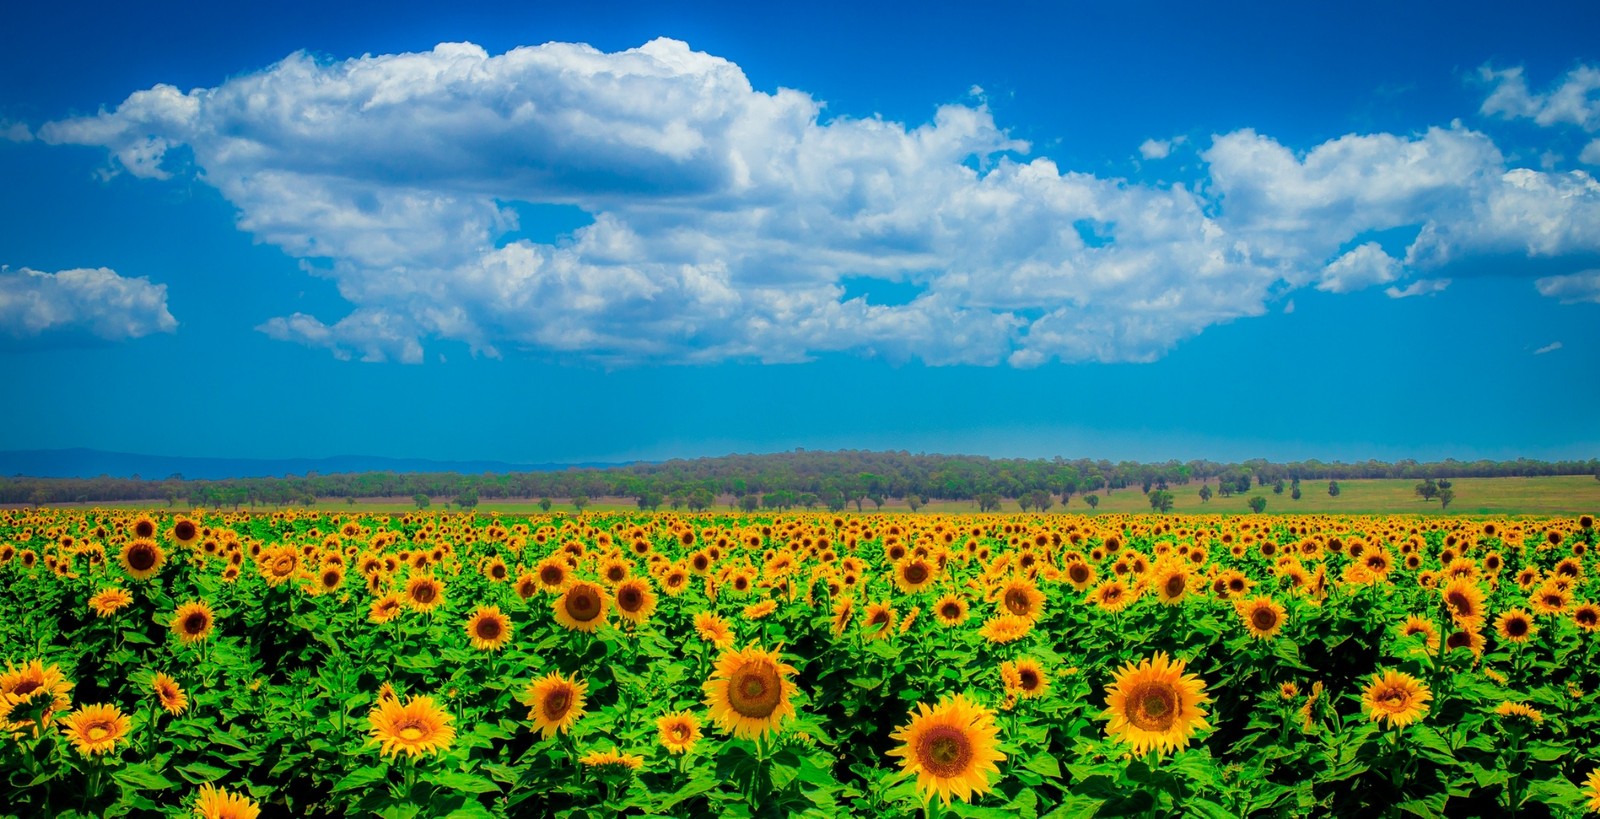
<point x="91" y="463"/>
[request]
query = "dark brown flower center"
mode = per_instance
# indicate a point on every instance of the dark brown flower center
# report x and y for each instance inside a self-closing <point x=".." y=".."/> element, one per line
<point x="1153" y="706"/>
<point x="754" y="689"/>
<point x="944" y="751"/>
<point x="583" y="604"/>
<point x="1263" y="618"/>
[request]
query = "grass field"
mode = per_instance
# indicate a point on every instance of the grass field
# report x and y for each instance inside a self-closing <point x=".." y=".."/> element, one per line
<point x="1560" y="495"/>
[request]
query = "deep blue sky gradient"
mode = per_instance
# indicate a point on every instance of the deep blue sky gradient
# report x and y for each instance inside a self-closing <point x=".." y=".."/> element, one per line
<point x="1344" y="377"/>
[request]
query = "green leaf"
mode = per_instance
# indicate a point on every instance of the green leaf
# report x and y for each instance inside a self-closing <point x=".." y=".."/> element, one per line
<point x="1045" y="765"/>
<point x="465" y="782"/>
<point x="1547" y="752"/>
<point x="141" y="777"/>
<point x="1197" y="806"/>
<point x="361" y="778"/>
<point x="199" y="773"/>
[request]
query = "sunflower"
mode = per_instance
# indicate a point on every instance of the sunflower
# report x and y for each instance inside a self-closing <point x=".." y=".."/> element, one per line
<point x="1112" y="595"/>
<point x="279" y="565"/>
<point x="749" y="692"/>
<point x="1470" y="639"/>
<point x="185" y="532"/>
<point x="95" y="729"/>
<point x="1587" y="616"/>
<point x="756" y="611"/>
<point x="679" y="732"/>
<point x="193" y="621"/>
<point x="952" y="748"/>
<point x="1395" y="697"/>
<point x="143" y="526"/>
<point x="215" y="803"/>
<point x="385" y="608"/>
<point x="713" y="629"/>
<point x="843" y="609"/>
<point x="1005" y="628"/>
<point x="1419" y="625"/>
<point x="1515" y="625"/>
<point x="582" y="607"/>
<point x="913" y="574"/>
<point x="170" y="694"/>
<point x="675" y="581"/>
<point x="612" y="760"/>
<point x="1464" y="598"/>
<point x="488" y="628"/>
<point x="1522" y="710"/>
<point x="1262" y="616"/>
<point x="951" y="610"/>
<point x="635" y="601"/>
<point x="879" y="621"/>
<point x="1171" y="582"/>
<point x="1024" y="678"/>
<point x="424" y="592"/>
<point x="31" y="678"/>
<point x="1592" y="790"/>
<point x="142" y="558"/>
<point x="527" y="586"/>
<point x="1021" y="598"/>
<point x="1549" y="598"/>
<point x="1154" y="705"/>
<point x="1080" y="574"/>
<point x="556" y="703"/>
<point x="110" y="600"/>
<point x="419" y="727"/>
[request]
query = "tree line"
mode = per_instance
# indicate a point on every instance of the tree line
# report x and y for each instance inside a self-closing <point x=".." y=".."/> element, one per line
<point x="797" y="479"/>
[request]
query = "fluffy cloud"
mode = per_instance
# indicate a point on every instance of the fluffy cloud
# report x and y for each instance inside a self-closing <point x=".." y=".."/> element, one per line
<point x="1548" y="348"/>
<point x="1572" y="102"/>
<point x="97" y="302"/>
<point x="1420" y="287"/>
<point x="1571" y="289"/>
<point x="724" y="218"/>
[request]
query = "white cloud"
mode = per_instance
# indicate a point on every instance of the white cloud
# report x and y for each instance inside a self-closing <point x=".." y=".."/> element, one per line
<point x="726" y="217"/>
<point x="15" y="131"/>
<point x="1591" y="153"/>
<point x="1420" y="287"/>
<point x="1160" y="148"/>
<point x="1362" y="267"/>
<point x="94" y="301"/>
<point x="1571" y="289"/>
<point x="1289" y="307"/>
<point x="1572" y="102"/>
<point x="1548" y="348"/>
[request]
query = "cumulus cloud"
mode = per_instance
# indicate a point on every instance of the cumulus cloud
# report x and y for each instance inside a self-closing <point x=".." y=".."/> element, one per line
<point x="92" y="301"/>
<point x="1362" y="267"/>
<point x="15" y="131"/>
<point x="1159" y="148"/>
<point x="724" y="217"/>
<point x="1420" y="287"/>
<point x="1571" y="289"/>
<point x="1573" y="101"/>
<point x="1548" y="348"/>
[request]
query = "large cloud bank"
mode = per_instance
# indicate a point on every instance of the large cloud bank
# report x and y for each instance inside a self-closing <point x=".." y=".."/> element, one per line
<point x="726" y="220"/>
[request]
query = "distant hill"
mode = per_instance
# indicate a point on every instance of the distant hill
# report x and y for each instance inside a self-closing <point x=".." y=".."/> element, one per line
<point x="91" y="463"/>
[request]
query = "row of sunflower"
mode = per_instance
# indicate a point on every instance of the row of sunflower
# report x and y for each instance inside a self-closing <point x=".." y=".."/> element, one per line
<point x="228" y="664"/>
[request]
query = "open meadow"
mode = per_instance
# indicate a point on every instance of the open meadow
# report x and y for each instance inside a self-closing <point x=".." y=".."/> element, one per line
<point x="334" y="663"/>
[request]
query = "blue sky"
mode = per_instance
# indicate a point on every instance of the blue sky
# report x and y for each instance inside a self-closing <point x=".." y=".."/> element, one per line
<point x="607" y="231"/>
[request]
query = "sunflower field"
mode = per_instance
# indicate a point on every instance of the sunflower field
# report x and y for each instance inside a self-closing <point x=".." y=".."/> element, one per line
<point x="472" y="665"/>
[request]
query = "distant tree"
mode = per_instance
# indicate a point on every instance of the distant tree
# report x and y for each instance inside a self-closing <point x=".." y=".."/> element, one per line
<point x="988" y="501"/>
<point x="579" y="502"/>
<point x="913" y="501"/>
<point x="1427" y="489"/>
<point x="1205" y="493"/>
<point x="700" y="499"/>
<point x="749" y="503"/>
<point x="809" y="500"/>
<point x="1445" y="497"/>
<point x="1092" y="500"/>
<point x="876" y="498"/>
<point x="1277" y="487"/>
<point x="1333" y="489"/>
<point x="545" y="504"/>
<point x="648" y="500"/>
<point x="1295" y="492"/>
<point x="1042" y="500"/>
<point x="349" y="500"/>
<point x="1160" y="500"/>
<point x="467" y="499"/>
<point x="1258" y="504"/>
<point x="1444" y="483"/>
